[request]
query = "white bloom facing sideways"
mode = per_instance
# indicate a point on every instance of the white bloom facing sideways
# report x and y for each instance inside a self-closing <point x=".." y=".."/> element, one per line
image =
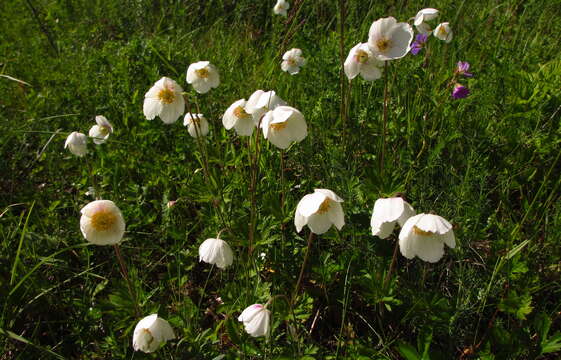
<point x="283" y="126"/>
<point x="262" y="101"/>
<point x="319" y="211"/>
<point x="197" y="125"/>
<point x="292" y="60"/>
<point x="101" y="131"/>
<point x="422" y="17"/>
<point x="165" y="100"/>
<point x="388" y="39"/>
<point x="102" y="223"/>
<point x="443" y="32"/>
<point x="203" y="76"/>
<point x="424" y="235"/>
<point x="361" y="61"/>
<point x="236" y="117"/>
<point x="281" y="8"/>
<point x="150" y="333"/>
<point x="217" y="252"/>
<point x="256" y="320"/>
<point x="77" y="143"/>
<point x="388" y="212"/>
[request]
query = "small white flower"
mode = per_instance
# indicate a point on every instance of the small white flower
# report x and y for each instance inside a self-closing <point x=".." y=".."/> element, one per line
<point x="256" y="319"/>
<point x="197" y="125"/>
<point x="361" y="61"/>
<point x="292" y="60"/>
<point x="77" y="143"/>
<point x="319" y="211"/>
<point x="422" y="17"/>
<point x="443" y="32"/>
<point x="203" y="76"/>
<point x="424" y="235"/>
<point x="284" y="125"/>
<point x="388" y="39"/>
<point x="236" y="117"/>
<point x="388" y="212"/>
<point x="150" y="333"/>
<point x="281" y="7"/>
<point x="165" y="100"/>
<point x="102" y="222"/>
<point x="101" y="131"/>
<point x="262" y="101"/>
<point x="216" y="251"/>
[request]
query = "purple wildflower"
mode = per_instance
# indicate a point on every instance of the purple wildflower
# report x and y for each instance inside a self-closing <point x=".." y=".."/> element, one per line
<point x="463" y="69"/>
<point x="460" y="91"/>
<point x="419" y="43"/>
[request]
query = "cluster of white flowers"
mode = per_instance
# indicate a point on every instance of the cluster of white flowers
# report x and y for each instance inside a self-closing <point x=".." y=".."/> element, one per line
<point x="77" y="142"/>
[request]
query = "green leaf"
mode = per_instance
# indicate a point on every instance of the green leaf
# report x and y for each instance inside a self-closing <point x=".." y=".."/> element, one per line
<point x="408" y="351"/>
<point x="552" y="344"/>
<point x="519" y="306"/>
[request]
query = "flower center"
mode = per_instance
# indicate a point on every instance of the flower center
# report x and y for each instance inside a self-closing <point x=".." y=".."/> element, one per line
<point x="202" y="73"/>
<point x="103" y="220"/>
<point x="291" y="61"/>
<point x="148" y="336"/>
<point x="383" y="44"/>
<point x="278" y="126"/>
<point x="442" y="31"/>
<point x="361" y="56"/>
<point x="324" y="207"/>
<point x="166" y="96"/>
<point x="240" y="113"/>
<point x="418" y="231"/>
<point x="104" y="130"/>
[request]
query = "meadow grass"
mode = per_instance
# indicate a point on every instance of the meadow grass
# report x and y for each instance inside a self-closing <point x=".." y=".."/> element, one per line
<point x="488" y="163"/>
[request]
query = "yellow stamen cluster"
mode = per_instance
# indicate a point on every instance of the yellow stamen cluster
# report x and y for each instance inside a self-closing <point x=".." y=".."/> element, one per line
<point x="149" y="334"/>
<point x="103" y="220"/>
<point x="202" y="73"/>
<point x="324" y="207"/>
<point x="278" y="126"/>
<point x="166" y="96"/>
<point x="361" y="56"/>
<point x="383" y="44"/>
<point x="240" y="113"/>
<point x="418" y="231"/>
<point x="442" y="31"/>
<point x="291" y="61"/>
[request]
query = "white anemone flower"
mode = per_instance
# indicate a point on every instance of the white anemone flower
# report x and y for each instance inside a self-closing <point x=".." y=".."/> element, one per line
<point x="102" y="223"/>
<point x="443" y="32"/>
<point x="422" y="17"/>
<point x="101" y="131"/>
<point x="361" y="61"/>
<point x="165" y="100"/>
<point x="262" y="101"/>
<point x="150" y="333"/>
<point x="319" y="211"/>
<point x="281" y="8"/>
<point x="283" y="126"/>
<point x="388" y="39"/>
<point x="256" y="320"/>
<point x="197" y="124"/>
<point x="388" y="212"/>
<point x="203" y="76"/>
<point x="424" y="235"/>
<point x="77" y="143"/>
<point x="237" y="117"/>
<point x="217" y="252"/>
<point x="292" y="60"/>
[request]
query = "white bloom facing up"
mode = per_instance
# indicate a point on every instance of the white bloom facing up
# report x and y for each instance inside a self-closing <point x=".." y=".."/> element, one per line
<point x="284" y="125"/>
<point x="256" y="320"/>
<point x="388" y="39"/>
<point x="203" y="76"/>
<point x="388" y="212"/>
<point x="101" y="131"/>
<point x="319" y="211"/>
<point x="422" y="17"/>
<point x="262" y="101"/>
<point x="77" y="143"/>
<point x="292" y="60"/>
<point x="102" y="223"/>
<point x="361" y="61"/>
<point x="236" y="117"/>
<point x="165" y="100"/>
<point x="197" y="125"/>
<point x="216" y="251"/>
<point x="150" y="333"/>
<point x="281" y="8"/>
<point x="443" y="32"/>
<point x="424" y="235"/>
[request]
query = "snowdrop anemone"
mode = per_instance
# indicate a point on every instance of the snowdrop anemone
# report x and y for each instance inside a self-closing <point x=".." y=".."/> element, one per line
<point x="165" y="100"/>
<point x="361" y="61"/>
<point x="102" y="223"/>
<point x="388" y="39"/>
<point x="237" y="117"/>
<point x="256" y="320"/>
<point x="422" y="16"/>
<point x="281" y="8"/>
<point x="283" y="126"/>
<point x="424" y="235"/>
<point x="292" y="60"/>
<point x="197" y="124"/>
<point x="216" y="252"/>
<point x="101" y="131"/>
<point x="150" y="333"/>
<point x="77" y="143"/>
<point x="443" y="32"/>
<point x="319" y="211"/>
<point x="203" y="76"/>
<point x="262" y="101"/>
<point x="388" y="212"/>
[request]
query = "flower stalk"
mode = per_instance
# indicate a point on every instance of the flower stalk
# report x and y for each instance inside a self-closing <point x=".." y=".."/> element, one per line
<point x="125" y="274"/>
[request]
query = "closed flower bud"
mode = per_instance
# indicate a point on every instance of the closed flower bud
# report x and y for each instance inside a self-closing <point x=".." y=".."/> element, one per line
<point x="150" y="333"/>
<point x="256" y="320"/>
<point x="197" y="124"/>
<point x="217" y="252"/>
<point x="77" y="143"/>
<point x="388" y="212"/>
